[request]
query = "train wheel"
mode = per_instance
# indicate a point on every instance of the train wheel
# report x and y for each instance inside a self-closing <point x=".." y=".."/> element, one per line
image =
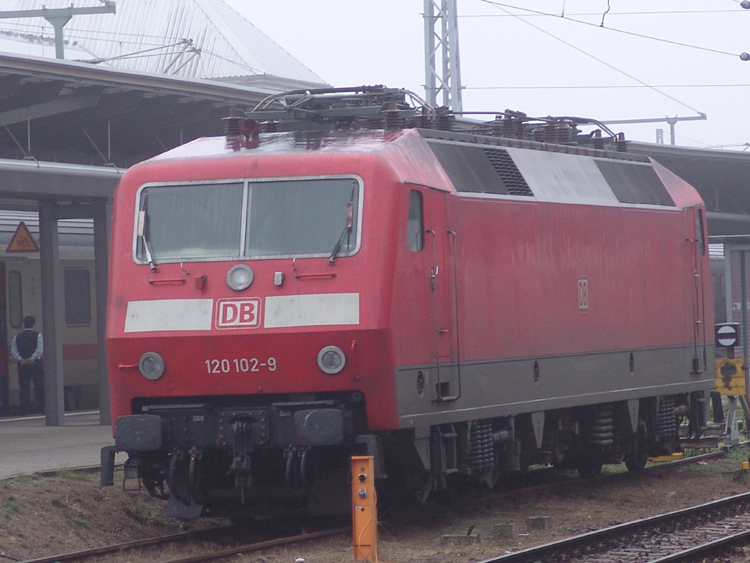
<point x="178" y="482"/>
<point x="589" y="467"/>
<point x="636" y="461"/>
<point x="637" y="457"/>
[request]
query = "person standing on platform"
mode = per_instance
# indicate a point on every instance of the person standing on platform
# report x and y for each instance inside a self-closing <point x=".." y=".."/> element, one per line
<point x="27" y="349"/>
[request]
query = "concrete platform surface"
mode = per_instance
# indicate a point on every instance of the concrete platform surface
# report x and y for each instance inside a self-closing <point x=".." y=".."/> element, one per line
<point x="28" y="446"/>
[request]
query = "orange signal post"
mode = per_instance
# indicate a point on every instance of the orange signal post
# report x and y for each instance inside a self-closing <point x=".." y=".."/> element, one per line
<point x="364" y="509"/>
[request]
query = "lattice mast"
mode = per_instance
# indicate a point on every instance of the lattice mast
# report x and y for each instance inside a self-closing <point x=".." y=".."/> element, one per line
<point x="441" y="42"/>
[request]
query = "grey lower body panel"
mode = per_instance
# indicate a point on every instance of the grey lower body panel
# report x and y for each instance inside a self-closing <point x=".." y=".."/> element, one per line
<point x="444" y="393"/>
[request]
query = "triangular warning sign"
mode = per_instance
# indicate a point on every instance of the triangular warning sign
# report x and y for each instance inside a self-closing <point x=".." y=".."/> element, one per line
<point x="22" y="240"/>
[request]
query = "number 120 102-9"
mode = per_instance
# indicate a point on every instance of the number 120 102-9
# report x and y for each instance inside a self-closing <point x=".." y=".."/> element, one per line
<point x="240" y="365"/>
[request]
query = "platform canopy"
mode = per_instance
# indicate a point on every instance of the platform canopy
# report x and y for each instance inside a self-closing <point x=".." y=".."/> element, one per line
<point x="153" y="75"/>
<point x="62" y="111"/>
<point x="188" y="38"/>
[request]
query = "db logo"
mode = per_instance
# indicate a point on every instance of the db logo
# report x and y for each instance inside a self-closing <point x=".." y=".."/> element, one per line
<point x="583" y="294"/>
<point x="238" y="313"/>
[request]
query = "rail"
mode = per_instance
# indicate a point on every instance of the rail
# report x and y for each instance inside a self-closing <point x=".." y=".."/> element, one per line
<point x="163" y="540"/>
<point x="667" y="537"/>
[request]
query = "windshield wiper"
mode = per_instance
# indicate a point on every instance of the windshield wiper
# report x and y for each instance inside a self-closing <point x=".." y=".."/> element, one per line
<point x="149" y="256"/>
<point x="142" y="233"/>
<point x="345" y="233"/>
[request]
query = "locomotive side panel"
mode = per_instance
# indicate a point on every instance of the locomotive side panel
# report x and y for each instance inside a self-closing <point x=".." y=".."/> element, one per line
<point x="630" y="266"/>
<point x="517" y="313"/>
<point x="565" y="303"/>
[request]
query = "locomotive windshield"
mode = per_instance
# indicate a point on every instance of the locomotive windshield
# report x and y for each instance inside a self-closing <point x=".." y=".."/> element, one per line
<point x="255" y="219"/>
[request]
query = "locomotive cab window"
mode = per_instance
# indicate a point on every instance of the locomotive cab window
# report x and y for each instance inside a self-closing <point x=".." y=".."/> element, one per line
<point x="254" y="219"/>
<point x="414" y="226"/>
<point x="189" y="222"/>
<point x="309" y="217"/>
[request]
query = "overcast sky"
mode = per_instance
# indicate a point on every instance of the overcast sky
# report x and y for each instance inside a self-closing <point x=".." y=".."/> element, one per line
<point x="544" y="64"/>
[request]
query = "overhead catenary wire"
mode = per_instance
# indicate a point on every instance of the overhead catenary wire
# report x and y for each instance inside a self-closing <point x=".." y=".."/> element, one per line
<point x="157" y="39"/>
<point x="601" y="61"/>
<point x="37" y="28"/>
<point x="605" y="86"/>
<point x="604" y="15"/>
<point x="602" y="26"/>
<point x="563" y="15"/>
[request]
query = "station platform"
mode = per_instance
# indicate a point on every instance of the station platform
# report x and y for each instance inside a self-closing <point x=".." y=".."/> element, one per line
<point x="28" y="446"/>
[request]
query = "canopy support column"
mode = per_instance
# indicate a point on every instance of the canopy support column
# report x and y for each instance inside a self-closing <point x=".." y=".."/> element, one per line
<point x="52" y="314"/>
<point x="102" y="227"/>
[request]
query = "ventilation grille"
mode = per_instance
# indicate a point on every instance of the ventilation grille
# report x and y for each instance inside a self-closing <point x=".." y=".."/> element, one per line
<point x="508" y="172"/>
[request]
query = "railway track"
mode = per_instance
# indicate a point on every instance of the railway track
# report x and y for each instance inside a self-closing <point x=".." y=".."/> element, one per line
<point x="125" y="546"/>
<point x="672" y="537"/>
<point x="86" y="554"/>
<point x="214" y="533"/>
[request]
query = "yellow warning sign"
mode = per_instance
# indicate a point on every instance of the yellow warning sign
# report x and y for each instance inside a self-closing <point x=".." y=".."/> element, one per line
<point x="730" y="376"/>
<point x="22" y="240"/>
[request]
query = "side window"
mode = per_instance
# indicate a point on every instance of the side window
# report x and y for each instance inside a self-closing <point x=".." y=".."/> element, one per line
<point x="700" y="235"/>
<point x="15" y="302"/>
<point x="415" y="225"/>
<point x="77" y="297"/>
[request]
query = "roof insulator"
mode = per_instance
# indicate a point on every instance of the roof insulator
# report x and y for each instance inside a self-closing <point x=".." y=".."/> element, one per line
<point x="241" y="131"/>
<point x="622" y="144"/>
<point x="597" y="139"/>
<point x="393" y="119"/>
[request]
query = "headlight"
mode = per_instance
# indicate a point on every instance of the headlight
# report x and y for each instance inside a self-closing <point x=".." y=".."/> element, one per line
<point x="151" y="366"/>
<point x="239" y="277"/>
<point x="331" y="360"/>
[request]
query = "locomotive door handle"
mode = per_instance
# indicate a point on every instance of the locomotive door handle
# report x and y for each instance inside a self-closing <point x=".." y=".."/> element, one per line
<point x="435" y="269"/>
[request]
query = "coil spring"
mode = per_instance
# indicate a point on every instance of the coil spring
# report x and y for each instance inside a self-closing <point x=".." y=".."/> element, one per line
<point x="600" y="430"/>
<point x="480" y="456"/>
<point x="666" y="424"/>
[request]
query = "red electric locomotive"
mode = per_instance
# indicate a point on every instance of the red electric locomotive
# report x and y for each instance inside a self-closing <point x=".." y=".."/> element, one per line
<point x="351" y="272"/>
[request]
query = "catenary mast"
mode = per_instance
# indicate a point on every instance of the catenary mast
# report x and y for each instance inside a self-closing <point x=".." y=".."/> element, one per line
<point x="442" y="63"/>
